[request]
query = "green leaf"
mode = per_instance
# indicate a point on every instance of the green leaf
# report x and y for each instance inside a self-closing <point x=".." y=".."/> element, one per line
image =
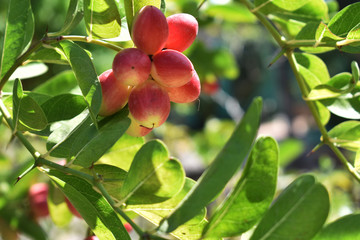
<point x="91" y="144"/>
<point x="232" y="12"/>
<point x="153" y="176"/>
<point x="85" y="74"/>
<point x="154" y="213"/>
<point x="92" y="206"/>
<point x="312" y="69"/>
<point x="73" y="17"/>
<point x="323" y="112"/>
<point x="251" y="196"/>
<point x="221" y="170"/>
<point x="63" y="107"/>
<point x="102" y="18"/>
<point x="18" y="94"/>
<point x="357" y="161"/>
<point x="48" y="55"/>
<point x="132" y="7"/>
<point x="345" y="20"/>
<point x="346" y="135"/>
<point x="62" y="83"/>
<point x="123" y="152"/>
<point x="292" y="214"/>
<point x="58" y="209"/>
<point x="338" y="85"/>
<point x="324" y="34"/>
<point x="30" y="70"/>
<point x="18" y="33"/>
<point x="344" y="228"/>
<point x="290" y="5"/>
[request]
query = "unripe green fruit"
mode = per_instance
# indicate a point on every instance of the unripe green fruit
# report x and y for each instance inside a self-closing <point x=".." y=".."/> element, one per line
<point x="171" y="68"/>
<point x="183" y="29"/>
<point x="136" y="130"/>
<point x="149" y="104"/>
<point x="131" y="66"/>
<point x="187" y="93"/>
<point x="114" y="94"/>
<point x="150" y="30"/>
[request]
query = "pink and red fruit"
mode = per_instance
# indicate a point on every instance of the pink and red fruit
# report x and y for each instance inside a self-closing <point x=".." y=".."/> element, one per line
<point x="136" y="130"/>
<point x="149" y="104"/>
<point x="183" y="29"/>
<point x="186" y="93"/>
<point x="38" y="199"/>
<point x="72" y="208"/>
<point x="114" y="94"/>
<point x="128" y="227"/>
<point x="171" y="68"/>
<point x="150" y="30"/>
<point x="131" y="66"/>
<point x="92" y="238"/>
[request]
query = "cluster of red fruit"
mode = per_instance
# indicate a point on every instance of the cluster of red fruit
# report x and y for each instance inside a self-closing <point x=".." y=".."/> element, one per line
<point x="154" y="73"/>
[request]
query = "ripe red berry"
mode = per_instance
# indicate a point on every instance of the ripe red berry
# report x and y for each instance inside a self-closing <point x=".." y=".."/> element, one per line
<point x="92" y="238"/>
<point x="131" y="66"/>
<point x="128" y="227"/>
<point x="150" y="30"/>
<point x="183" y="29"/>
<point x="186" y="93"/>
<point x="149" y="104"/>
<point x="171" y="68"/>
<point x="114" y="94"/>
<point x="210" y="87"/>
<point x="38" y="199"/>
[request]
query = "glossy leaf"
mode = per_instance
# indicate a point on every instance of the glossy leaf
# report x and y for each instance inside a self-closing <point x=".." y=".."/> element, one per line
<point x="251" y="196"/>
<point x="324" y="34"/>
<point x="73" y="17"/>
<point x="58" y="209"/>
<point x="346" y="135"/>
<point x="30" y="70"/>
<point x="344" y="228"/>
<point x="18" y="94"/>
<point x="345" y="20"/>
<point x="63" y="107"/>
<point x="92" y="143"/>
<point x="153" y="176"/>
<point x="102" y="18"/>
<point x="291" y="217"/>
<point x="154" y="213"/>
<point x="92" y="206"/>
<point x="62" y="83"/>
<point x="48" y="55"/>
<point x="221" y="170"/>
<point x="18" y="33"/>
<point x="312" y="69"/>
<point x="85" y="74"/>
<point x="132" y="7"/>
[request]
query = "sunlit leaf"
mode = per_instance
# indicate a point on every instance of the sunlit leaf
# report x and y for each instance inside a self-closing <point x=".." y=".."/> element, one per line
<point x="58" y="209"/>
<point x="346" y="135"/>
<point x="292" y="215"/>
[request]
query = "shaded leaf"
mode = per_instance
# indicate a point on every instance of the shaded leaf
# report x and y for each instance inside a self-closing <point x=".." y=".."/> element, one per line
<point x="102" y="18"/>
<point x="220" y="171"/>
<point x="48" y="55"/>
<point x="85" y="74"/>
<point x="153" y="176"/>
<point x="346" y="135"/>
<point x="344" y="228"/>
<point x="92" y="206"/>
<point x="292" y="217"/>
<point x="18" y="33"/>
<point x="252" y="194"/>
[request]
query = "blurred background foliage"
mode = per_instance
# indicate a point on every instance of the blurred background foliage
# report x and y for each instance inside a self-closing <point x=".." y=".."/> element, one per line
<point x="231" y="55"/>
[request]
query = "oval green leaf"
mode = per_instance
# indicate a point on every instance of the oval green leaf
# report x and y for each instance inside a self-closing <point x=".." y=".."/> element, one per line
<point x="346" y="135"/>
<point x="292" y="217"/>
<point x="221" y="170"/>
<point x="58" y="209"/>
<point x="251" y="196"/>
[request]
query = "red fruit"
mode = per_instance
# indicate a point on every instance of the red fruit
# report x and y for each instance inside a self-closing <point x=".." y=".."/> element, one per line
<point x="92" y="238"/>
<point x="38" y="199"/>
<point x="136" y="130"/>
<point x="150" y="30"/>
<point x="183" y="29"/>
<point x="72" y="208"/>
<point x="171" y="68"/>
<point x="187" y="93"/>
<point x="114" y="94"/>
<point x="210" y="87"/>
<point x="149" y="104"/>
<point x="128" y="227"/>
<point x="131" y="66"/>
